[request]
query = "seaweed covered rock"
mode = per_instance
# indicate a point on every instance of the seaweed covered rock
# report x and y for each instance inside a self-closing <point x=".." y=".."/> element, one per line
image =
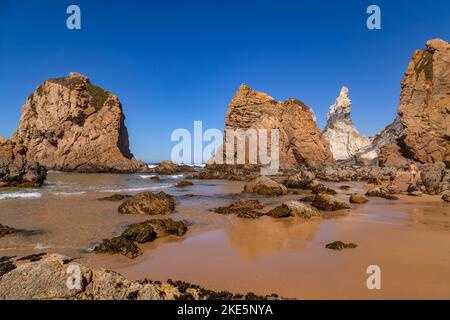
<point x="119" y="245"/>
<point x="139" y="232"/>
<point x="244" y="208"/>
<point x="301" y="180"/>
<point x="265" y="186"/>
<point x="4" y="230"/>
<point x="327" y="202"/>
<point x="381" y="193"/>
<point x="16" y="170"/>
<point x="148" y="203"/>
<point x="164" y="227"/>
<point x="339" y="245"/>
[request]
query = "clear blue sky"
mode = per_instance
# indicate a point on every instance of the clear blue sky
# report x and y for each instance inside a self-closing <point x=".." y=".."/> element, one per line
<point x="173" y="62"/>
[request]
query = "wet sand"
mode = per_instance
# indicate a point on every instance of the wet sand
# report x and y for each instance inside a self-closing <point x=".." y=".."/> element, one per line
<point x="409" y="239"/>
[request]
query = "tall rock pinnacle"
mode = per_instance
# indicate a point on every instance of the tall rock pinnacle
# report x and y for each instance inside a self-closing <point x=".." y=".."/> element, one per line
<point x="342" y="137"/>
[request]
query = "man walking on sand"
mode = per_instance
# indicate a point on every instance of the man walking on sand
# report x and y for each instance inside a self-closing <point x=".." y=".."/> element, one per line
<point x="413" y="173"/>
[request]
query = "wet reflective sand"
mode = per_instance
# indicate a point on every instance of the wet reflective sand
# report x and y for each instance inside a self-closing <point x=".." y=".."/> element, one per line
<point x="409" y="239"/>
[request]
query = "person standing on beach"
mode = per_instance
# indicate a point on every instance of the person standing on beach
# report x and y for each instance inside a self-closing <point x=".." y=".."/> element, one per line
<point x="413" y="173"/>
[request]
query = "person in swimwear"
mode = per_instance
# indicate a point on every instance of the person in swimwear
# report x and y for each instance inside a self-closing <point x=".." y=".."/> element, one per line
<point x="413" y="173"/>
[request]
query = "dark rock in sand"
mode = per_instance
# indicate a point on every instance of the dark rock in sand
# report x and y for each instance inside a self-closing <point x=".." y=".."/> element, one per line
<point x="148" y="203"/>
<point x="155" y="178"/>
<point x="339" y="245"/>
<point x="119" y="245"/>
<point x="265" y="186"/>
<point x="33" y="257"/>
<point x="4" y="230"/>
<point x="356" y="198"/>
<point x="446" y="196"/>
<point x="6" y="265"/>
<point x="327" y="202"/>
<point x="381" y="193"/>
<point x="116" y="197"/>
<point x="321" y="189"/>
<point x="279" y="212"/>
<point x="344" y="187"/>
<point x="184" y="183"/>
<point x="139" y="232"/>
<point x="414" y="191"/>
<point x="164" y="227"/>
<point x="244" y="208"/>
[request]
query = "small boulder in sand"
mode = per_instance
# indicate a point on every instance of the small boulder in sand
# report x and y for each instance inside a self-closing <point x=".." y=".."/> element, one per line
<point x="265" y="186"/>
<point x="327" y="202"/>
<point x="339" y="245"/>
<point x="381" y="193"/>
<point x="298" y="209"/>
<point x="119" y="245"/>
<point x="4" y="230"/>
<point x="165" y="227"/>
<point x="301" y="180"/>
<point x="140" y="232"/>
<point x="244" y="208"/>
<point x="148" y="203"/>
<point x="359" y="199"/>
<point x="321" y="189"/>
<point x="184" y="183"/>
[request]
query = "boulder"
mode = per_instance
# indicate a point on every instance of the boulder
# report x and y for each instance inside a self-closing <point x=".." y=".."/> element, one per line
<point x="298" y="209"/>
<point x="265" y="186"/>
<point x="327" y="202"/>
<point x="244" y="208"/>
<point x="435" y="177"/>
<point x="169" y="167"/>
<point x="301" y="180"/>
<point x="359" y="199"/>
<point x="140" y="232"/>
<point x="184" y="183"/>
<point x="446" y="196"/>
<point x="322" y="189"/>
<point x="165" y="227"/>
<point x="16" y="170"/>
<point x="120" y="245"/>
<point x="70" y="124"/>
<point x="148" y="203"/>
<point x="381" y="193"/>
<point x="340" y="133"/>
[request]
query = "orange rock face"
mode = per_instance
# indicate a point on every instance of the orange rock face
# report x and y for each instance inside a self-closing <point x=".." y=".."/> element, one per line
<point x="300" y="141"/>
<point x="425" y="104"/>
<point x="70" y="124"/>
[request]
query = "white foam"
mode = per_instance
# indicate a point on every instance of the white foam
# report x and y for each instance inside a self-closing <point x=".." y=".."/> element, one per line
<point x="19" y="195"/>
<point x="151" y="166"/>
<point x="157" y="187"/>
<point x="147" y="176"/>
<point x="41" y="246"/>
<point x="74" y="193"/>
<point x="175" y="176"/>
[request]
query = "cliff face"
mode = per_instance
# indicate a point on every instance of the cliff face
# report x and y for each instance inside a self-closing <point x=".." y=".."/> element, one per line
<point x="340" y="133"/>
<point x="300" y="140"/>
<point x="421" y="132"/>
<point x="70" y="124"/>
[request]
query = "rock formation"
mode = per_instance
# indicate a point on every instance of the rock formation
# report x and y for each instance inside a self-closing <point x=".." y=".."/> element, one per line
<point x="340" y="133"/>
<point x="54" y="277"/>
<point x="421" y="132"/>
<point x="71" y="124"/>
<point x="300" y="141"/>
<point x="15" y="169"/>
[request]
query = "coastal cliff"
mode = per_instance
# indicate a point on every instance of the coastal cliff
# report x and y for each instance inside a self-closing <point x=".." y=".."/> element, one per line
<point x="70" y="124"/>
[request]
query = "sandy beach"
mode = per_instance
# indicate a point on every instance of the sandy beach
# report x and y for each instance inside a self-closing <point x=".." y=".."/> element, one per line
<point x="408" y="238"/>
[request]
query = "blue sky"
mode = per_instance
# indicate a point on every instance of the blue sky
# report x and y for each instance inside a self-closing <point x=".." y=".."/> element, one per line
<point x="173" y="62"/>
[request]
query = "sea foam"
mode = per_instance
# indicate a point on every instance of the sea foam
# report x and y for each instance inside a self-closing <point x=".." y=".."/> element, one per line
<point x="19" y="195"/>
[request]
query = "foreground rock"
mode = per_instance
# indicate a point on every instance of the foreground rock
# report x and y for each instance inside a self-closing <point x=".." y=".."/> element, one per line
<point x="265" y="186"/>
<point x="244" y="208"/>
<point x="51" y="278"/>
<point x="327" y="202"/>
<point x="169" y="167"/>
<point x="70" y="124"/>
<point x="148" y="203"/>
<point x="304" y="179"/>
<point x="340" y="133"/>
<point x="339" y="245"/>
<point x="15" y="169"/>
<point x="143" y="232"/>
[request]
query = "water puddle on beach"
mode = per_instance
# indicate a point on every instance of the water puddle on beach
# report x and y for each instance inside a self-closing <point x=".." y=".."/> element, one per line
<point x="409" y="239"/>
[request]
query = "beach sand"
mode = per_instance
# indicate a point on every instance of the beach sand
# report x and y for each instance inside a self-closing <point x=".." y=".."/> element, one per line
<point x="409" y="239"/>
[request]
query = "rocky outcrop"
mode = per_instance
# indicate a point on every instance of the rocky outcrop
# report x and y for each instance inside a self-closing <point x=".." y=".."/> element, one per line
<point x="169" y="167"/>
<point x="15" y="169"/>
<point x="265" y="186"/>
<point x="346" y="173"/>
<point x="421" y="130"/>
<point x="56" y="277"/>
<point x="340" y="133"/>
<point x="148" y="203"/>
<point x="300" y="141"/>
<point x="70" y="124"/>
